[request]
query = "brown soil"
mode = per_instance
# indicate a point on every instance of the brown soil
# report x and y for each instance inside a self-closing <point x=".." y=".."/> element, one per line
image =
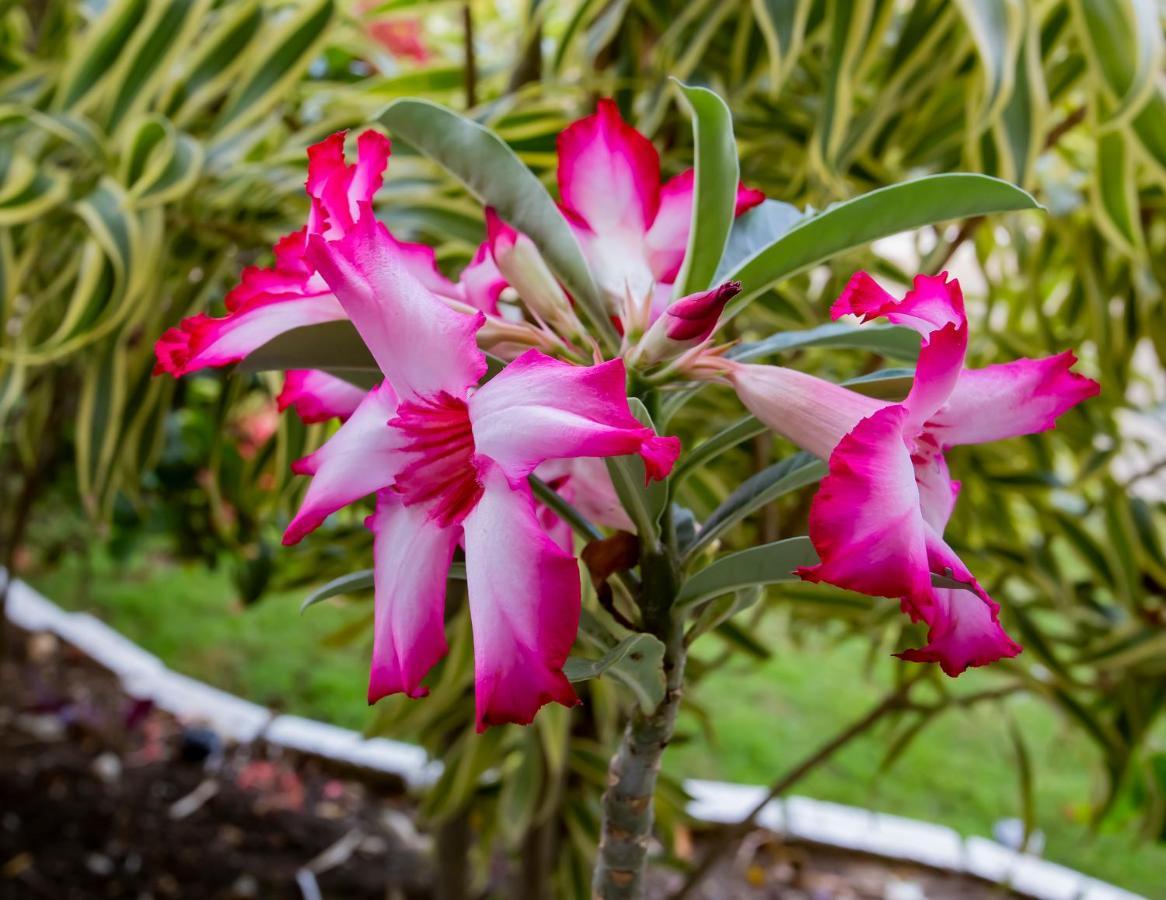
<point x="104" y="797"/>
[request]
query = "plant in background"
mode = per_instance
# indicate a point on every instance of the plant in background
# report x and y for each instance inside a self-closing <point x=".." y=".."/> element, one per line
<point x="451" y="446"/>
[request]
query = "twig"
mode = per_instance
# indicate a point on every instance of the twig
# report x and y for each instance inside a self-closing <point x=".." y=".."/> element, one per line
<point x="729" y="837"/>
<point x="471" y="70"/>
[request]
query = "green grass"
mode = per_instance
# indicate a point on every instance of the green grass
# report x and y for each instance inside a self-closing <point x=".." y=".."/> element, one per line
<point x="960" y="772"/>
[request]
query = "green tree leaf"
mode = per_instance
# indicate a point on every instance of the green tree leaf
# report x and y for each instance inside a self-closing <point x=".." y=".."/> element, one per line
<point x="715" y="189"/>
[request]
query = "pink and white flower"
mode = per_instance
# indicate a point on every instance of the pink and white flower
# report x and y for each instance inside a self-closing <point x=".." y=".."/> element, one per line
<point x="290" y="294"/>
<point x="877" y="522"/>
<point x="448" y="463"/>
<point x="633" y="229"/>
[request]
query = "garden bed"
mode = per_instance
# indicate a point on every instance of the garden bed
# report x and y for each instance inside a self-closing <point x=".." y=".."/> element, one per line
<point x="108" y="796"/>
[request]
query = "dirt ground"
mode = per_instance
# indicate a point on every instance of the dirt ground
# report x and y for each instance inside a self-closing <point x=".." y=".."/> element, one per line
<point x="104" y="796"/>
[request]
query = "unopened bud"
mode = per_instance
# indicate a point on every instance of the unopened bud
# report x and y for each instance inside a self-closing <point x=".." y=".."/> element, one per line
<point x="686" y="323"/>
<point x="521" y="264"/>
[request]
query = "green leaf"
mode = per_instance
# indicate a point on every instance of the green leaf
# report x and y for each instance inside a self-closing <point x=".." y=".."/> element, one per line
<point x="273" y="65"/>
<point x="496" y="176"/>
<point x="887" y="340"/>
<point x="218" y="55"/>
<point x="882" y="212"/>
<point x="636" y="662"/>
<point x="345" y="584"/>
<point x="783" y="25"/>
<point x="725" y="439"/>
<point x="164" y="34"/>
<point x="997" y="27"/>
<point x="715" y="190"/>
<point x="331" y="346"/>
<point x="755" y="230"/>
<point x="1115" y="193"/>
<point x="766" y="486"/>
<point x="766" y="564"/>
<point x="1123" y="42"/>
<point x="90" y="63"/>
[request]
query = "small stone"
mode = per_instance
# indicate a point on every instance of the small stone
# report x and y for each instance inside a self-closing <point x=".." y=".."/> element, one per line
<point x="47" y="728"/>
<point x="245" y="886"/>
<point x="107" y="768"/>
<point x="99" y="864"/>
<point x="198" y="745"/>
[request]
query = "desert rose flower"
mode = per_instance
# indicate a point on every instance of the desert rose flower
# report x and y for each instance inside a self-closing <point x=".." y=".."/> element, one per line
<point x="877" y="522"/>
<point x="448" y="462"/>
<point x="290" y="294"/>
<point x="633" y="229"/>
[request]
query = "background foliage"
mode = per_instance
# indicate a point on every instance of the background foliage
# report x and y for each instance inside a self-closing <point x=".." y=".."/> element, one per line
<point x="149" y="148"/>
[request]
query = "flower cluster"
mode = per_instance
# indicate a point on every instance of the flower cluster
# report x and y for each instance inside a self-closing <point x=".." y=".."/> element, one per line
<point x="447" y="452"/>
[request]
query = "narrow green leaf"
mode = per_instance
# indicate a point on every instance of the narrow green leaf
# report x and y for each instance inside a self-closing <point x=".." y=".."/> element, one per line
<point x="766" y="564"/>
<point x="636" y="662"/>
<point x="997" y="28"/>
<point x="1115" y="193"/>
<point x="715" y="189"/>
<point x="754" y="230"/>
<point x="345" y="584"/>
<point x="725" y="439"/>
<point x="494" y="174"/>
<point x="331" y="346"/>
<point x="90" y="63"/>
<point x="790" y="474"/>
<point x="888" y="340"/>
<point x="782" y="24"/>
<point x="273" y="64"/>
<point x="882" y="212"/>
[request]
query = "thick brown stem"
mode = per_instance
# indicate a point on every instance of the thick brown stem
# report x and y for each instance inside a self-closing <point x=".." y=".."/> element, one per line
<point x="470" y="65"/>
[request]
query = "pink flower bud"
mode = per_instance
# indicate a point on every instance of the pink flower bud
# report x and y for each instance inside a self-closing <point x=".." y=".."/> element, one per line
<point x="695" y="317"/>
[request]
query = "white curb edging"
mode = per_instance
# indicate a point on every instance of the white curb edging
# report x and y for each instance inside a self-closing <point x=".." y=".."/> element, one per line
<point x="144" y="676"/>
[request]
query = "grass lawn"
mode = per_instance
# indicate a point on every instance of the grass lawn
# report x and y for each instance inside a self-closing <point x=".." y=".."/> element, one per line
<point x="959" y="772"/>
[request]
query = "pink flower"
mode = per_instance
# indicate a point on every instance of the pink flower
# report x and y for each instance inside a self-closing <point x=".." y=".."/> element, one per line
<point x="448" y="462"/>
<point x="317" y="396"/>
<point x="291" y="294"/>
<point x="877" y="522"/>
<point x="633" y="229"/>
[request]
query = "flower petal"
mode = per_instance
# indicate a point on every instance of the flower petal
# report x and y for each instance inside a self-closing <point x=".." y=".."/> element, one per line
<point x="362" y="457"/>
<point x="609" y="173"/>
<point x="481" y="283"/>
<point x="201" y="341"/>
<point x="339" y="190"/>
<point x="422" y="346"/>
<point x="668" y="236"/>
<point x="411" y="555"/>
<point x="747" y="198"/>
<point x="934" y="307"/>
<point x="317" y="396"/>
<point x="932" y="303"/>
<point x="964" y="626"/>
<point x="539" y="408"/>
<point x="524" y="605"/>
<point x="1010" y="399"/>
<point x="865" y="521"/>
<point x="813" y="413"/>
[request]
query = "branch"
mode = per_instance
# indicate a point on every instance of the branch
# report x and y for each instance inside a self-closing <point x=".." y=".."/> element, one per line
<point x="728" y="837"/>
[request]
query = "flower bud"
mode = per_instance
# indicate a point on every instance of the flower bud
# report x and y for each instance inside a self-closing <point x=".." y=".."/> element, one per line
<point x="523" y="267"/>
<point x="686" y="323"/>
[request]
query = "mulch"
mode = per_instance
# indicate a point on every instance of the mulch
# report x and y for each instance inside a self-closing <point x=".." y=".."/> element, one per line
<point x="102" y="796"/>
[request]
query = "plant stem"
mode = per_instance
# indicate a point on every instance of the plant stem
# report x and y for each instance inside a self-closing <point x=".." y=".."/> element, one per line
<point x="627" y="802"/>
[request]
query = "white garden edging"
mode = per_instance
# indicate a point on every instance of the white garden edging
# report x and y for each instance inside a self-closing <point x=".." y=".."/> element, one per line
<point x="832" y="824"/>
